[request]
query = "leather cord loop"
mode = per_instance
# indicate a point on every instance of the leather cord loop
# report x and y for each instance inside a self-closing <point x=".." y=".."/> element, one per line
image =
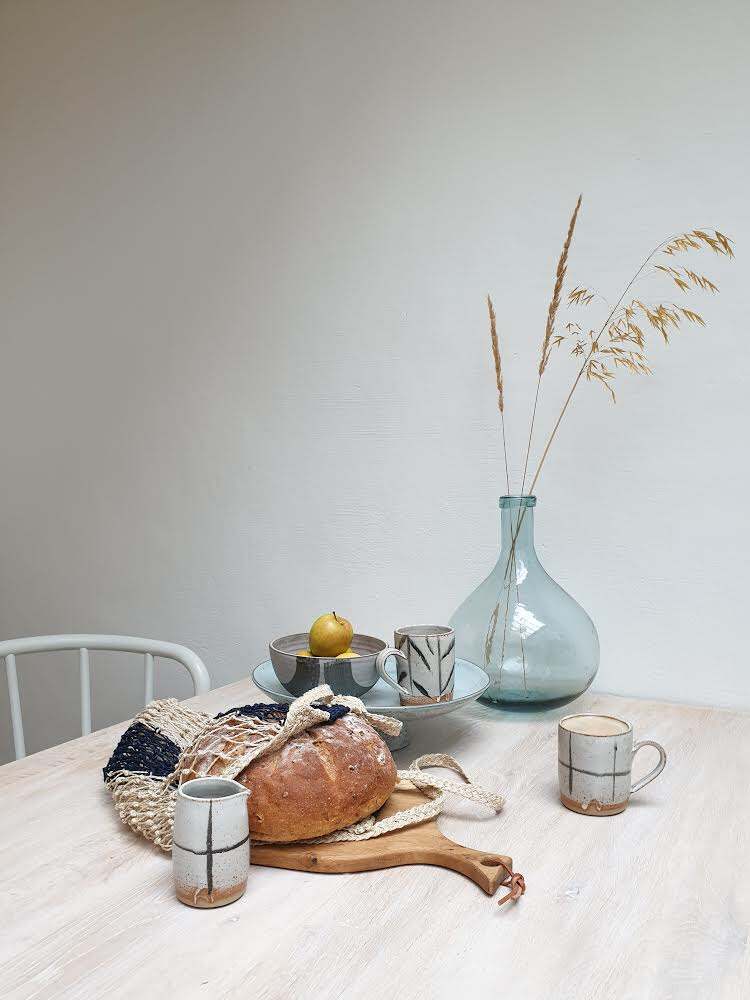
<point x="517" y="885"/>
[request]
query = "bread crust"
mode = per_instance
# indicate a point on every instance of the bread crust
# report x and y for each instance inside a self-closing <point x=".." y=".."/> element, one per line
<point x="320" y="781"/>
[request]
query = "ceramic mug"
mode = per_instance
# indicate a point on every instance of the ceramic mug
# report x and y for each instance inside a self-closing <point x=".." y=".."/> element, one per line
<point x="426" y="657"/>
<point x="211" y="842"/>
<point x="594" y="762"/>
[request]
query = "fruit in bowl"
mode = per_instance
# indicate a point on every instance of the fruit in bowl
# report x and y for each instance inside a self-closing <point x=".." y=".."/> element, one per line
<point x="330" y="653"/>
<point x="330" y="635"/>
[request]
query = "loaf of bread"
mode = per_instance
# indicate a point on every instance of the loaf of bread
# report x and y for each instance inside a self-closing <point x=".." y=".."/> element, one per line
<point x="321" y="780"/>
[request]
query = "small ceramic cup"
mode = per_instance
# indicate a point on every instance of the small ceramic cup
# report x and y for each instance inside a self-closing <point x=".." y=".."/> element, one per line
<point x="426" y="657"/>
<point x="594" y="763"/>
<point x="211" y="842"/>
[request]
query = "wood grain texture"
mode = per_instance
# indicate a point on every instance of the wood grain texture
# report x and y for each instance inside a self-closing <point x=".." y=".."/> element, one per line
<point x="417" y="845"/>
<point x="653" y="904"/>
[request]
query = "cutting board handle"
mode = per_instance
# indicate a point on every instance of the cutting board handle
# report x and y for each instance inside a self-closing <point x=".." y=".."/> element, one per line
<point x="489" y="871"/>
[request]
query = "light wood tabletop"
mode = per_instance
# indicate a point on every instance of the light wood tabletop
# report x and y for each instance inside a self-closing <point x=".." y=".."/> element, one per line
<point x="653" y="903"/>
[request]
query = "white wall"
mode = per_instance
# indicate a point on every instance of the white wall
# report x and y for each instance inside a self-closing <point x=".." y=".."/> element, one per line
<point x="245" y="367"/>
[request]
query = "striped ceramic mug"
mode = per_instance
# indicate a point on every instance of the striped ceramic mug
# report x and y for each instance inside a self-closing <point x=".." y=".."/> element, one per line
<point x="594" y="763"/>
<point x="426" y="656"/>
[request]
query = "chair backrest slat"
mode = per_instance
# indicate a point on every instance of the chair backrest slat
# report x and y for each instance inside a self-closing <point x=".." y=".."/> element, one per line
<point x="84" y="643"/>
<point x="148" y="677"/>
<point x="83" y="666"/>
<point x="15" y="707"/>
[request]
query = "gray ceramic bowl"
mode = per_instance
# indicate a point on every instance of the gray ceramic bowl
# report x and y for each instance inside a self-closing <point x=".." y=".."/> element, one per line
<point x="303" y="673"/>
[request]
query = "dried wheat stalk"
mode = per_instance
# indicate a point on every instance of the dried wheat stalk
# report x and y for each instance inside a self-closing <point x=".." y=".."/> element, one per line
<point x="496" y="355"/>
<point x="562" y="266"/>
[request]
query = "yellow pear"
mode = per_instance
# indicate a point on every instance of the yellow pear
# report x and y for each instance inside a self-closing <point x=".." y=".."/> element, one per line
<point x="347" y="655"/>
<point x="330" y="635"/>
<point x="303" y="652"/>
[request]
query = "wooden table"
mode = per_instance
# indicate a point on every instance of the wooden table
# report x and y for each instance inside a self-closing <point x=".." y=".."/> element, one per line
<point x="654" y="903"/>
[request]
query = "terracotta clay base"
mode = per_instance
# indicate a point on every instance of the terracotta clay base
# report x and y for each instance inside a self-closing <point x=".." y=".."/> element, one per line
<point x="418" y="700"/>
<point x="201" y="898"/>
<point x="594" y="808"/>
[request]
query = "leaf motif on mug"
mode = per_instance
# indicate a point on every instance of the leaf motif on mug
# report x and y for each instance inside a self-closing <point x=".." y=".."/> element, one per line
<point x="451" y="646"/>
<point x="448" y="682"/>
<point x="423" y="658"/>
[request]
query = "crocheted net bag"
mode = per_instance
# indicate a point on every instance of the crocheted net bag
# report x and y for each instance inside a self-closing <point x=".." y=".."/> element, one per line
<point x="144" y="771"/>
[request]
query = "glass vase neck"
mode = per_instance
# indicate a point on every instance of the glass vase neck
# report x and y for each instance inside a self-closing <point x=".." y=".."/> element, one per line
<point x="517" y="521"/>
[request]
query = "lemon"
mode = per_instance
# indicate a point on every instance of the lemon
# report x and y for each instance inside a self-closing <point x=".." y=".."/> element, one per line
<point x="347" y="655"/>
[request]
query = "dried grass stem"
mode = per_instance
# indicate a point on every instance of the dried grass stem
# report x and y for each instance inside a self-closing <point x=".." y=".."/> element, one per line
<point x="554" y="305"/>
<point x="496" y="354"/>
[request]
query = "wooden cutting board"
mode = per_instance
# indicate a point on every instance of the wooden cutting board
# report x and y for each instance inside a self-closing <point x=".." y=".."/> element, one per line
<point x="414" y="845"/>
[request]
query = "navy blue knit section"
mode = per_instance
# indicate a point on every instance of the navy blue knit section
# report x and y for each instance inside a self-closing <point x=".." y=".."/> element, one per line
<point x="277" y="713"/>
<point x="334" y="711"/>
<point x="142" y="750"/>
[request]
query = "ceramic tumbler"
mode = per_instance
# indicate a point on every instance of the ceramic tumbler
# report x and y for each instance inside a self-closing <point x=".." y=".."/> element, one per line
<point x="594" y="763"/>
<point x="426" y="656"/>
<point x="211" y="842"/>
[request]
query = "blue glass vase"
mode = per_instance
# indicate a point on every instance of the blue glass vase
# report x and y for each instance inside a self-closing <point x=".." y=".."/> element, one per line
<point x="538" y="645"/>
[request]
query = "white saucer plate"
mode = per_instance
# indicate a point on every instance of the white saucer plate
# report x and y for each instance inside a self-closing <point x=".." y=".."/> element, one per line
<point x="469" y="684"/>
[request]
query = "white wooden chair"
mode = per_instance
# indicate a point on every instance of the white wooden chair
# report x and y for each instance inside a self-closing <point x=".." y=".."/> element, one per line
<point x="150" y="648"/>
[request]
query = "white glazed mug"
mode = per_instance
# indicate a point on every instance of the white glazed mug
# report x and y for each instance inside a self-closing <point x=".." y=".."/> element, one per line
<point x="426" y="656"/>
<point x="210" y="842"/>
<point x="594" y="763"/>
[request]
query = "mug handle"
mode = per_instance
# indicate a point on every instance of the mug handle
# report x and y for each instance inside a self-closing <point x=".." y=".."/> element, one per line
<point x="656" y="771"/>
<point x="380" y="667"/>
